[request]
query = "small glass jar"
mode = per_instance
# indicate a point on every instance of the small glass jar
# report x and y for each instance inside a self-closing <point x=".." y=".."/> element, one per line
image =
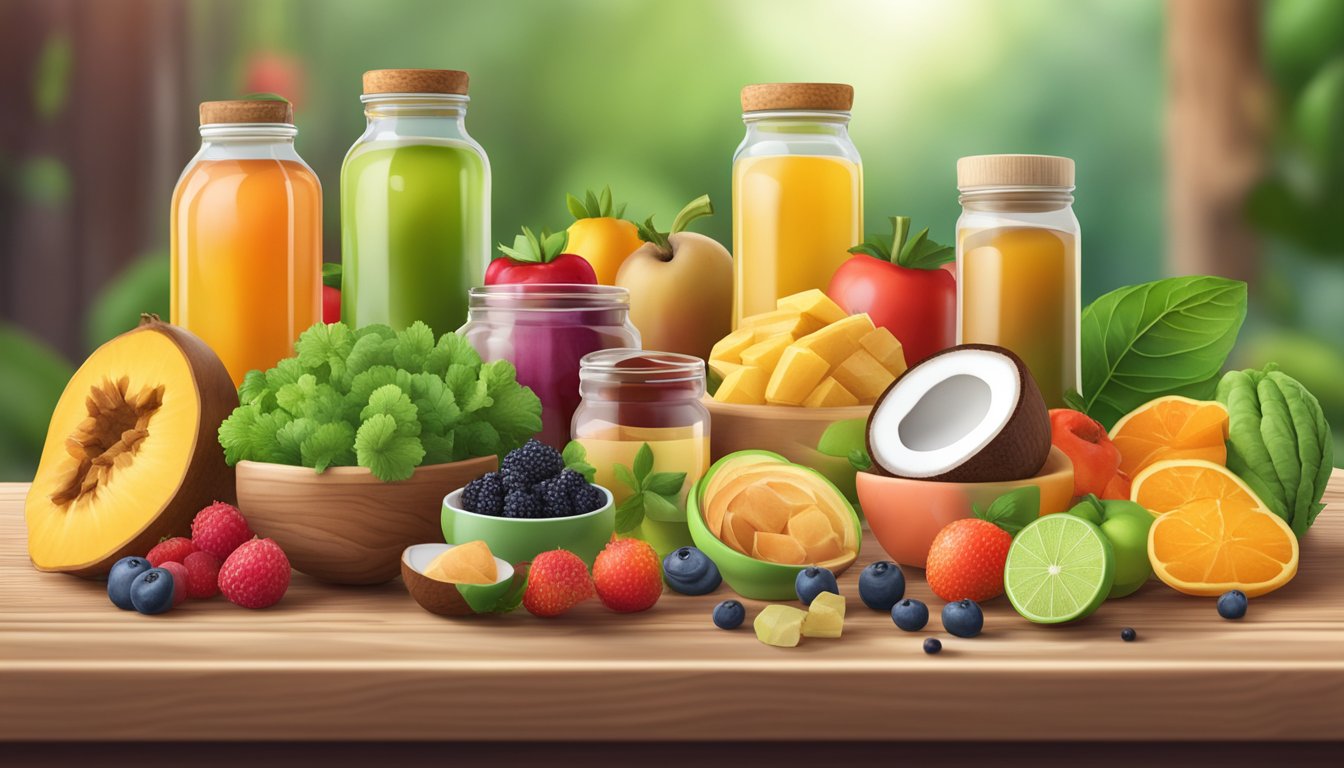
<point x="545" y="330"/>
<point x="631" y="399"/>
<point x="1019" y="253"/>
<point x="797" y="192"/>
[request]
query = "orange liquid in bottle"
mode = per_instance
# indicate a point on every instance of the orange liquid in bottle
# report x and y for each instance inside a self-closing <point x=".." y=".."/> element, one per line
<point x="247" y="258"/>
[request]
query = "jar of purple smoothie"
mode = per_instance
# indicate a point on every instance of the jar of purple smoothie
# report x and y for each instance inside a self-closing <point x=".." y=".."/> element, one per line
<point x="544" y="330"/>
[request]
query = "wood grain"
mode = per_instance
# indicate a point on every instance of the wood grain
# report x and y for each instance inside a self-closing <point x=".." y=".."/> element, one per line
<point x="367" y="663"/>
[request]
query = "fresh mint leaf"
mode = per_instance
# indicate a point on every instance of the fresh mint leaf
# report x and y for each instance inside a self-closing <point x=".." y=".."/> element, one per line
<point x="1014" y="509"/>
<point x="643" y="463"/>
<point x="630" y="513"/>
<point x="390" y="456"/>
<point x="665" y="483"/>
<point x="653" y="494"/>
<point x="576" y="458"/>
<point x="625" y="477"/>
<point x="657" y="507"/>
<point x="330" y="445"/>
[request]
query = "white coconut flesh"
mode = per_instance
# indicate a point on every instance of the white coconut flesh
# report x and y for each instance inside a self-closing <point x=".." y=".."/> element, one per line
<point x="944" y="412"/>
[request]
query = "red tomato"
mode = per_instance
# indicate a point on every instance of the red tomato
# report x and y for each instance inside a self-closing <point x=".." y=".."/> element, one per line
<point x="565" y="268"/>
<point x="918" y="306"/>
<point x="331" y="304"/>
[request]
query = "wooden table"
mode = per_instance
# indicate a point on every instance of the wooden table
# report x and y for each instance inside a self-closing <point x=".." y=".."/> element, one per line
<point x="368" y="664"/>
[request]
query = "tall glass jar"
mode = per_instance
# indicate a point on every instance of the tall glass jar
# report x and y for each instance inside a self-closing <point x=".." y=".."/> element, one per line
<point x="797" y="192"/>
<point x="246" y="236"/>
<point x="1019" y="251"/>
<point x="632" y="399"/>
<point x="545" y="330"/>
<point x="415" y="203"/>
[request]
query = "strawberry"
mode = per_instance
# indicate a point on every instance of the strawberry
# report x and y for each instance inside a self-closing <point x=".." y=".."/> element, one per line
<point x="174" y="550"/>
<point x="180" y="580"/>
<point x="557" y="581"/>
<point x="256" y="575"/>
<point x="219" y="529"/>
<point x="628" y="576"/>
<point x="967" y="556"/>
<point x="202" y="575"/>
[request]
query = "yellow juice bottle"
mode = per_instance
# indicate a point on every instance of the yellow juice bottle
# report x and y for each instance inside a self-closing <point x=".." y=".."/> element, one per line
<point x="247" y="237"/>
<point x="797" y="192"/>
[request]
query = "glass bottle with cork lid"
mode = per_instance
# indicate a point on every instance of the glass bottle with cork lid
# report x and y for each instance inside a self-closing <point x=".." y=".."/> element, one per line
<point x="246" y="236"/>
<point x="415" y="203"/>
<point x="1019" y="251"/>
<point x="797" y="192"/>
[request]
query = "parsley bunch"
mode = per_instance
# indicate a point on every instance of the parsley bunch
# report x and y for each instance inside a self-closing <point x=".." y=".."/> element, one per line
<point x="379" y="399"/>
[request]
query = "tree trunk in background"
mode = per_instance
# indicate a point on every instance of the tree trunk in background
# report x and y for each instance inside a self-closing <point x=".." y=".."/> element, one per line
<point x="114" y="139"/>
<point x="1218" y="113"/>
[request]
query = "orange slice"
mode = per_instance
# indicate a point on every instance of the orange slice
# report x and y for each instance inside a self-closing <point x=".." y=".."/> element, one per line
<point x="1212" y="545"/>
<point x="1172" y="484"/>
<point x="1171" y="427"/>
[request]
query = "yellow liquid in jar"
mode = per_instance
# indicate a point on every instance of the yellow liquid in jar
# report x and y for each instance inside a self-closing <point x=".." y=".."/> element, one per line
<point x="1018" y="289"/>
<point x="794" y="220"/>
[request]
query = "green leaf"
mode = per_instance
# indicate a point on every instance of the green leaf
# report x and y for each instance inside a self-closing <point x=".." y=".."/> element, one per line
<point x="331" y="274"/>
<point x="643" y="463"/>
<point x="665" y="483"/>
<point x="1014" y="509"/>
<point x="630" y="513"/>
<point x="1168" y="337"/>
<point x="323" y="349"/>
<point x="576" y="458"/>
<point x="923" y="253"/>
<point x="660" y="508"/>
<point x="389" y="455"/>
<point x="451" y="350"/>
<point x="390" y="400"/>
<point x="1073" y="400"/>
<point x="289" y="440"/>
<point x="625" y="477"/>
<point x="330" y="445"/>
<point x="860" y="460"/>
<point x="843" y="437"/>
<point x="413" y="347"/>
<point x="604" y="201"/>
<point x="575" y="206"/>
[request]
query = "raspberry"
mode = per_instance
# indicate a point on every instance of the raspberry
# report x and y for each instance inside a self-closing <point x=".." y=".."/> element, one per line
<point x="628" y="576"/>
<point x="174" y="550"/>
<point x="256" y="575"/>
<point x="180" y="579"/>
<point x="202" y="575"/>
<point x="484" y="495"/>
<point x="526" y="466"/>
<point x="219" y="529"/>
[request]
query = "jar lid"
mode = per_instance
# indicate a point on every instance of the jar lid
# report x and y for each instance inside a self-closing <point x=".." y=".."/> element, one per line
<point x="834" y="97"/>
<point x="415" y="81"/>
<point x="980" y="171"/>
<point x="623" y="364"/>
<point x="247" y="111"/>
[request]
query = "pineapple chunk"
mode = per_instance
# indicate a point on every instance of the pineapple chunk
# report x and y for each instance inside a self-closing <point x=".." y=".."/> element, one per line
<point x="863" y="376"/>
<point x="765" y="354"/>
<point x="838" y="341"/>
<point x="798" y="373"/>
<point x="825" y="616"/>
<point x="729" y="348"/>
<point x="815" y="304"/>
<point x="886" y="349"/>
<point x="745" y="385"/>
<point x="779" y="625"/>
<point x="830" y="394"/>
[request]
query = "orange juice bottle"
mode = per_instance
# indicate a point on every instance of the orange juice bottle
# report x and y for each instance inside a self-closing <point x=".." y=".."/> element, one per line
<point x="247" y="237"/>
<point x="797" y="192"/>
<point x="1018" y="264"/>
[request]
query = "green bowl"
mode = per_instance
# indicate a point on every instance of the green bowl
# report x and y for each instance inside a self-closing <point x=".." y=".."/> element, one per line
<point x="519" y="540"/>
<point x="751" y="578"/>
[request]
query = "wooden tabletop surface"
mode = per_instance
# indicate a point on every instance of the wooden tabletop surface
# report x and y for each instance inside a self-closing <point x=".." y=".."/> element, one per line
<point x="367" y="663"/>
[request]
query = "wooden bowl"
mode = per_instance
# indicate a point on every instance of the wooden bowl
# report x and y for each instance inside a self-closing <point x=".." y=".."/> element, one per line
<point x="346" y="526"/>
<point x="792" y="432"/>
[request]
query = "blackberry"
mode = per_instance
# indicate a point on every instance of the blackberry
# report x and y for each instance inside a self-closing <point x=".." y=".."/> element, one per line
<point x="588" y="498"/>
<point x="526" y="466"/>
<point x="523" y="504"/>
<point x="484" y="495"/>
<point x="553" y="497"/>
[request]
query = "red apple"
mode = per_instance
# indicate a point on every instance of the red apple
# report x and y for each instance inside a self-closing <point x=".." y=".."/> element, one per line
<point x="1118" y="487"/>
<point x="1095" y="458"/>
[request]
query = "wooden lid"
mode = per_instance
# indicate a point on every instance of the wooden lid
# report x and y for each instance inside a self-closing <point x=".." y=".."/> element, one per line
<point x="247" y="111"/>
<point x="415" y="81"/>
<point x="836" y="97"/>
<point x="979" y="171"/>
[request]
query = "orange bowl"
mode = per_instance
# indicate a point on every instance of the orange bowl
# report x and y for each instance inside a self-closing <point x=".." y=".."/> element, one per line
<point x="906" y="514"/>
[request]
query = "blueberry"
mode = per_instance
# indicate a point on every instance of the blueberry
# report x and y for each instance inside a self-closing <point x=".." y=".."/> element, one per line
<point x="729" y="614"/>
<point x="963" y="618"/>
<point x="881" y="585"/>
<point x="932" y="645"/>
<point x="152" y="591"/>
<point x="1128" y="634"/>
<point x="910" y="615"/>
<point x="691" y="572"/>
<point x="120" y="578"/>
<point x="1232" y="604"/>
<point x="812" y="581"/>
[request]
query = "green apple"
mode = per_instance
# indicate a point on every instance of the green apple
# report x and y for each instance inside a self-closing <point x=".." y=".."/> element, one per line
<point x="1126" y="526"/>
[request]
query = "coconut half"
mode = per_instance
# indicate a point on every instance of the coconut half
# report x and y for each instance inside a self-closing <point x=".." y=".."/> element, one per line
<point x="969" y="414"/>
<point x="450" y="599"/>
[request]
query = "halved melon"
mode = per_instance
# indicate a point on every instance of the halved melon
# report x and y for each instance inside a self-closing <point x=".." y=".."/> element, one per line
<point x="131" y="452"/>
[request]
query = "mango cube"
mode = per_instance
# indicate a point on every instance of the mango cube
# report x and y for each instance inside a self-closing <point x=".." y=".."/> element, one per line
<point x="779" y="625"/>
<point x="745" y="385"/>
<point x="815" y="304"/>
<point x="863" y="376"/>
<point x="729" y="348"/>
<point x="886" y="349"/>
<point x="798" y="373"/>
<point x="781" y="322"/>
<point x="765" y="354"/>
<point x="825" y="616"/>
<point x="722" y="369"/>
<point x="830" y="394"/>
<point x="838" y="341"/>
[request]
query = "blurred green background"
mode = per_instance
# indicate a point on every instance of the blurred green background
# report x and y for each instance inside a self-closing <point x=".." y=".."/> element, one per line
<point x="573" y="94"/>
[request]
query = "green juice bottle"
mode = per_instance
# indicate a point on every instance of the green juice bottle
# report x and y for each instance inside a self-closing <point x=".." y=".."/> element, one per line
<point x="415" y="204"/>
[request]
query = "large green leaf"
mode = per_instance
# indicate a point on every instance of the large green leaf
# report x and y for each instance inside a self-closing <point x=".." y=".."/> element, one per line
<point x="1167" y="337"/>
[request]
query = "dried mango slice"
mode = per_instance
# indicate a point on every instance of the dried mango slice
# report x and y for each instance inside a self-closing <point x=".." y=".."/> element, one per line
<point x="760" y="506"/>
<point x="810" y="526"/>
<point x="778" y="548"/>
<point x="825" y="550"/>
<point x="469" y="563"/>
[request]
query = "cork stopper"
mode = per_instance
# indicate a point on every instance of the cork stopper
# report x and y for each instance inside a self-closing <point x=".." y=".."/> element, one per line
<point x="415" y="81"/>
<point x="247" y="111"/>
<point x="981" y="171"/>
<point x="835" y="97"/>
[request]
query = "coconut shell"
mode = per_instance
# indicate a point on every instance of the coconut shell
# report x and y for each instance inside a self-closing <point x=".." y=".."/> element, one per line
<point x="434" y="596"/>
<point x="1019" y="450"/>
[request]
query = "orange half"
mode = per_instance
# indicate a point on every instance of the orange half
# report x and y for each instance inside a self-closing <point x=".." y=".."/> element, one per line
<point x="1169" y="485"/>
<point x="1212" y="545"/>
<point x="1171" y="427"/>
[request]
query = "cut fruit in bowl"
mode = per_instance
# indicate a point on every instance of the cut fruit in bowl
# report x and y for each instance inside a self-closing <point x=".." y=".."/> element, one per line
<point x="1170" y="485"/>
<point x="461" y="580"/>
<point x="1210" y="546"/>
<point x="1168" y="428"/>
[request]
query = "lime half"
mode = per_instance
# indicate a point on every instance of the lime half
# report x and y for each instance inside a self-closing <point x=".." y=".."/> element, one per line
<point x="1060" y="568"/>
